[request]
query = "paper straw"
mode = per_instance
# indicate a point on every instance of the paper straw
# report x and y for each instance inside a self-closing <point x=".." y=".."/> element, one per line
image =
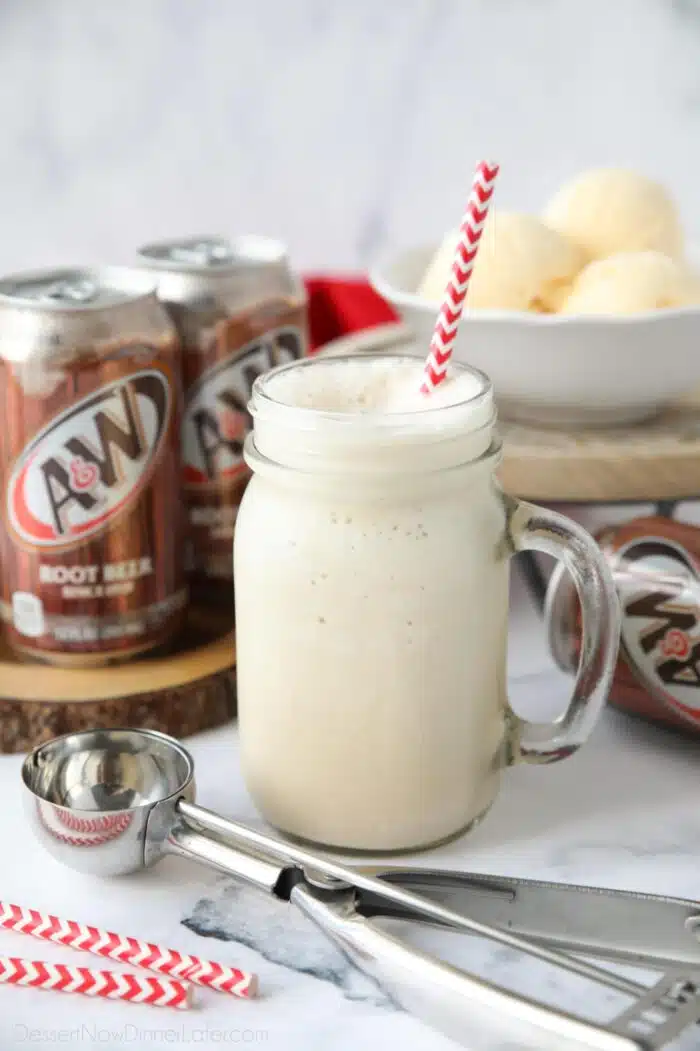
<point x="131" y="988"/>
<point x="448" y="319"/>
<point x="138" y="953"/>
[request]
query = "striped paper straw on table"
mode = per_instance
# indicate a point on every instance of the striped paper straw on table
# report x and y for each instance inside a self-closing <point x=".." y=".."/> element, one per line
<point x="133" y="951"/>
<point x="448" y="319"/>
<point x="110" y="985"/>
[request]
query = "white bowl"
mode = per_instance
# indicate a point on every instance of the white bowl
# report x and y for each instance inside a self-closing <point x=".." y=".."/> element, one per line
<point x="561" y="369"/>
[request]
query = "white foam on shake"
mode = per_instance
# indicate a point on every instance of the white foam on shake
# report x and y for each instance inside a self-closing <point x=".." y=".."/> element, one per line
<point x="367" y="386"/>
<point x="346" y="406"/>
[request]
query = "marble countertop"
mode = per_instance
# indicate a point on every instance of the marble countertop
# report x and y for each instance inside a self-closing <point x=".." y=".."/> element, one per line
<point x="622" y="813"/>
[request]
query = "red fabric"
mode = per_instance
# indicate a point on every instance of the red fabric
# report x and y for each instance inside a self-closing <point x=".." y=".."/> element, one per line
<point x="339" y="306"/>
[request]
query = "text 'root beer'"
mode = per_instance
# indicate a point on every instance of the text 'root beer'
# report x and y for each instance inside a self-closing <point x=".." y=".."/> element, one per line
<point x="92" y="529"/>
<point x="240" y="311"/>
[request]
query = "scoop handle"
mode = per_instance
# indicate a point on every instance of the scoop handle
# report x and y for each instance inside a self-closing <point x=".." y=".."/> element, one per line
<point x="466" y="1008"/>
<point x="336" y="877"/>
<point x="188" y="842"/>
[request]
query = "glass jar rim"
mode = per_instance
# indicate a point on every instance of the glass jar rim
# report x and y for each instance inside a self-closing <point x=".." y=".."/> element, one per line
<point x="261" y="396"/>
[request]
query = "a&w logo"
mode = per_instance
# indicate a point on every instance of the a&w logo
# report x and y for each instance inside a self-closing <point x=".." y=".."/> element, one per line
<point x="217" y="420"/>
<point x="660" y="593"/>
<point x="89" y="463"/>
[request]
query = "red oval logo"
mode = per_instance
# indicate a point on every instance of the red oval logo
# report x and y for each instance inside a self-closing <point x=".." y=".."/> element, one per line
<point x="89" y="463"/>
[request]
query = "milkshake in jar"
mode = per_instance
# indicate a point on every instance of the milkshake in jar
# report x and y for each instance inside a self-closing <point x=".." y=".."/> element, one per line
<point x="371" y="573"/>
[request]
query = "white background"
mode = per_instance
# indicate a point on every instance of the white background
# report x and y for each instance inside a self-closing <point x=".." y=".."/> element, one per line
<point x="345" y="128"/>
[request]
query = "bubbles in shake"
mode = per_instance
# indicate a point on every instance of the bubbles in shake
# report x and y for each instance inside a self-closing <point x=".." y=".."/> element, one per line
<point x="365" y="385"/>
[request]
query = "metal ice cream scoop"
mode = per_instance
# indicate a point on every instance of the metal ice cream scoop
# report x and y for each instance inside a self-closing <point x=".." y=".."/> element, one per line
<point x="109" y="802"/>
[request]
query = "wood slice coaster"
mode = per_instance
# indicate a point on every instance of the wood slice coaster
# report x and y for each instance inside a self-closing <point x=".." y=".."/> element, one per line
<point x="653" y="461"/>
<point x="188" y="689"/>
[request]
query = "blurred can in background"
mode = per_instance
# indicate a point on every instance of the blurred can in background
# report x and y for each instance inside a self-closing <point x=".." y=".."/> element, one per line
<point x="655" y="562"/>
<point x="240" y="310"/>
<point x="92" y="529"/>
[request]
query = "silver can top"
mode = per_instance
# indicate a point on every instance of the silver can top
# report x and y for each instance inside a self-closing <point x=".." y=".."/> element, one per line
<point x="213" y="254"/>
<point x="75" y="288"/>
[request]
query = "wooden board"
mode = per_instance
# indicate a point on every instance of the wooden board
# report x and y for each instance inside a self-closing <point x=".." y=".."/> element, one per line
<point x="657" y="460"/>
<point x="182" y="692"/>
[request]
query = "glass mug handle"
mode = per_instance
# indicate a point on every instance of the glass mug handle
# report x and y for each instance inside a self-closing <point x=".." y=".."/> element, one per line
<point x="536" y="529"/>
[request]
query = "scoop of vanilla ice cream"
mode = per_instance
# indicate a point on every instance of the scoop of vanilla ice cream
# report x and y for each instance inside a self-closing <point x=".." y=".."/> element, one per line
<point x="610" y="210"/>
<point x="631" y="282"/>
<point x="521" y="265"/>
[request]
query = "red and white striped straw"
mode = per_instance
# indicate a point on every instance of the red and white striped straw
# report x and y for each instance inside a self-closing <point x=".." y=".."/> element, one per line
<point x="139" y="953"/>
<point x="448" y="319"/>
<point x="132" y="988"/>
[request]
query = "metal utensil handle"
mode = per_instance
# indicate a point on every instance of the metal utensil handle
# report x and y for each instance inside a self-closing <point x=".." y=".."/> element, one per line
<point x="535" y="529"/>
<point x="627" y="926"/>
<point x="662" y="1014"/>
<point x="188" y="843"/>
<point x="451" y="1000"/>
<point x="456" y="1003"/>
<point x="286" y="854"/>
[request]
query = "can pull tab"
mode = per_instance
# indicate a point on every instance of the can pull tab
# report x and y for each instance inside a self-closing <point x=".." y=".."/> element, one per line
<point x="204" y="253"/>
<point x="79" y="291"/>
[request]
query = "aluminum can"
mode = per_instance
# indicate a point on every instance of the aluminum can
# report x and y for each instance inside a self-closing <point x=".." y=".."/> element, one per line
<point x="240" y="310"/>
<point x="91" y="535"/>
<point x="655" y="562"/>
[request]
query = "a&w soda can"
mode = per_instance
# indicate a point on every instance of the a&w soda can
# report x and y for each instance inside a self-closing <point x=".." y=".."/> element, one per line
<point x="91" y="532"/>
<point x="240" y="310"/>
<point x="655" y="563"/>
